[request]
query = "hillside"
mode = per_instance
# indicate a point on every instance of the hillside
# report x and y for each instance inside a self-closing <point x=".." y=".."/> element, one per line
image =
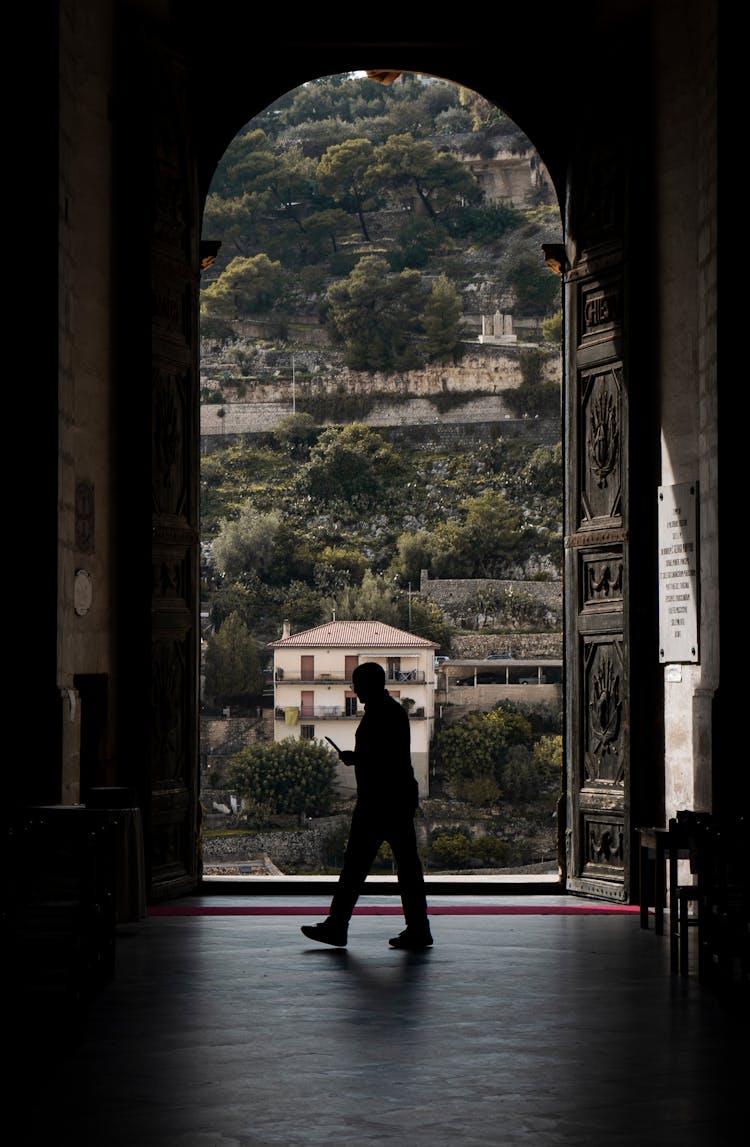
<point x="442" y="453"/>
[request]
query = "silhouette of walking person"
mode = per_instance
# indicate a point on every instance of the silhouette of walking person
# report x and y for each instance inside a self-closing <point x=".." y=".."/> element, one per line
<point x="387" y="799"/>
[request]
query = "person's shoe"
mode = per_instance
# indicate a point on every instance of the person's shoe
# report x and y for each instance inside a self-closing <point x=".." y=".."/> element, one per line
<point x="412" y="939"/>
<point x="329" y="932"/>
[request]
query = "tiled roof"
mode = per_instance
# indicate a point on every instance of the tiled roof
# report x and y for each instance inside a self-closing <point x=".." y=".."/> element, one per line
<point x="353" y="634"/>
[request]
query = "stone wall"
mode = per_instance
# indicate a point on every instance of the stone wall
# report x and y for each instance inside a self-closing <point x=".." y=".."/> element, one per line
<point x="267" y="374"/>
<point x="287" y="848"/>
<point x="446" y="591"/>
<point x="257" y="389"/>
<point x="310" y="848"/>
<point x="489" y="602"/>
<point x="416" y="421"/>
<point x="522" y="646"/>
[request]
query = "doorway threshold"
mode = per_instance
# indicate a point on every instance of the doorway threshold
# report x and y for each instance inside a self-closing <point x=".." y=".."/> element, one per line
<point x="539" y="884"/>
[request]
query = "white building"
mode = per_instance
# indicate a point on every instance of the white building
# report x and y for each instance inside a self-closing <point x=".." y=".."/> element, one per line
<point x="313" y="694"/>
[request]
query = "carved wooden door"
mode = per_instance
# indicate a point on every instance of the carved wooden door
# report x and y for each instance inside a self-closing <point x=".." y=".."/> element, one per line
<point x="172" y="812"/>
<point x="597" y="856"/>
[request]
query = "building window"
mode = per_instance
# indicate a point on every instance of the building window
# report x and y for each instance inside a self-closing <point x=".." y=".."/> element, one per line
<point x="350" y="702"/>
<point x="307" y="732"/>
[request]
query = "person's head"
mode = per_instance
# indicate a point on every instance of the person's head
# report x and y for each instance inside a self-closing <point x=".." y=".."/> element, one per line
<point x="368" y="680"/>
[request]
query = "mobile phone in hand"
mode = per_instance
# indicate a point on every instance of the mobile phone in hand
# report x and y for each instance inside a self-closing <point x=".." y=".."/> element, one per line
<point x="330" y="742"/>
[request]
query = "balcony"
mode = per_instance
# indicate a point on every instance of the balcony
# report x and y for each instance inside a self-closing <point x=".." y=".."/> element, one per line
<point x="334" y="713"/>
<point x="393" y="677"/>
<point x="320" y="713"/>
<point x="414" y="675"/>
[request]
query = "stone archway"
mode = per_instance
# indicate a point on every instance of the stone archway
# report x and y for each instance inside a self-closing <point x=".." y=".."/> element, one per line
<point x="605" y="731"/>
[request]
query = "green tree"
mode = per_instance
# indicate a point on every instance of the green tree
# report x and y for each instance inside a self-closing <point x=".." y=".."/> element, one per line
<point x="451" y="848"/>
<point x="489" y="542"/>
<point x="262" y="544"/>
<point x="493" y="527"/>
<point x="476" y="746"/>
<point x="418" y="242"/>
<point x="236" y="221"/>
<point x="342" y="174"/>
<point x="347" y="560"/>
<point x="535" y="285"/>
<point x="352" y="464"/>
<point x="248" y="285"/>
<point x="414" y="170"/>
<point x="330" y="96"/>
<point x="248" y="543"/>
<point x="290" y="776"/>
<point x="373" y="600"/>
<point x="413" y="554"/>
<point x="548" y="756"/>
<point x="232" y="665"/>
<point x="233" y="598"/>
<point x="240" y="198"/>
<point x="258" y="187"/>
<point x="302" y="605"/>
<point x="330" y="581"/>
<point x="328" y="225"/>
<point x="292" y="182"/>
<point x="544" y="717"/>
<point x="422" y="616"/>
<point x="537" y="486"/>
<point x="520" y="778"/>
<point x="376" y="315"/>
<point x="552" y="328"/>
<point x="442" y="322"/>
<point x="297" y="433"/>
<point x="247" y="165"/>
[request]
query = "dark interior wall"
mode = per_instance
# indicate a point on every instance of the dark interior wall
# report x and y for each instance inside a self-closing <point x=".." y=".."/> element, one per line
<point x="31" y="310"/>
<point x="136" y="132"/>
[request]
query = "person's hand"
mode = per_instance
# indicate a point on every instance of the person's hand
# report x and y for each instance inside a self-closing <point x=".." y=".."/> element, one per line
<point x="348" y="756"/>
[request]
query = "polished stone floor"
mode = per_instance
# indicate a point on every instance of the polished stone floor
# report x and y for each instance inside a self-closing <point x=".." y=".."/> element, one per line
<point x="523" y="1025"/>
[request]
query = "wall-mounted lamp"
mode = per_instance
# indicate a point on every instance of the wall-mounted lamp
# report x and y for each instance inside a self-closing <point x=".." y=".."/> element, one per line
<point x="209" y="249"/>
<point x="383" y="76"/>
<point x="554" y="257"/>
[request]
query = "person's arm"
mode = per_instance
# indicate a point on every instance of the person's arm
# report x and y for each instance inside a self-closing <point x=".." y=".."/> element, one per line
<point x="345" y="755"/>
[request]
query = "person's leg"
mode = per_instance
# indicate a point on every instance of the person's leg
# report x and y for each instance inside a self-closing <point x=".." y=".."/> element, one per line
<point x="365" y="838"/>
<point x="364" y="842"/>
<point x="402" y="838"/>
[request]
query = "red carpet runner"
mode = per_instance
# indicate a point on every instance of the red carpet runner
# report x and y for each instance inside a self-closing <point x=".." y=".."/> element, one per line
<point x="529" y="909"/>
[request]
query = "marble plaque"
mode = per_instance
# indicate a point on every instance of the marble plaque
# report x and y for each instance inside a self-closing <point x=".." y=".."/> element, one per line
<point x="678" y="572"/>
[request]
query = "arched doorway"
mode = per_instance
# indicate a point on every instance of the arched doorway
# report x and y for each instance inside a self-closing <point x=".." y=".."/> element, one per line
<point x="610" y="621"/>
<point x="492" y="184"/>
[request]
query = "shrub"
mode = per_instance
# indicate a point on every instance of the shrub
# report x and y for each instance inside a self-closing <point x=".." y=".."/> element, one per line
<point x="288" y="776"/>
<point x="491" y="848"/>
<point x="335" y="847"/>
<point x="384" y="858"/>
<point x="481" y="792"/>
<point x="451" y="848"/>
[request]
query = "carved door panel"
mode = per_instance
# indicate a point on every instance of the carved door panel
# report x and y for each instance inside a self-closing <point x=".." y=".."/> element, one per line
<point x="172" y="818"/>
<point x="596" y="548"/>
